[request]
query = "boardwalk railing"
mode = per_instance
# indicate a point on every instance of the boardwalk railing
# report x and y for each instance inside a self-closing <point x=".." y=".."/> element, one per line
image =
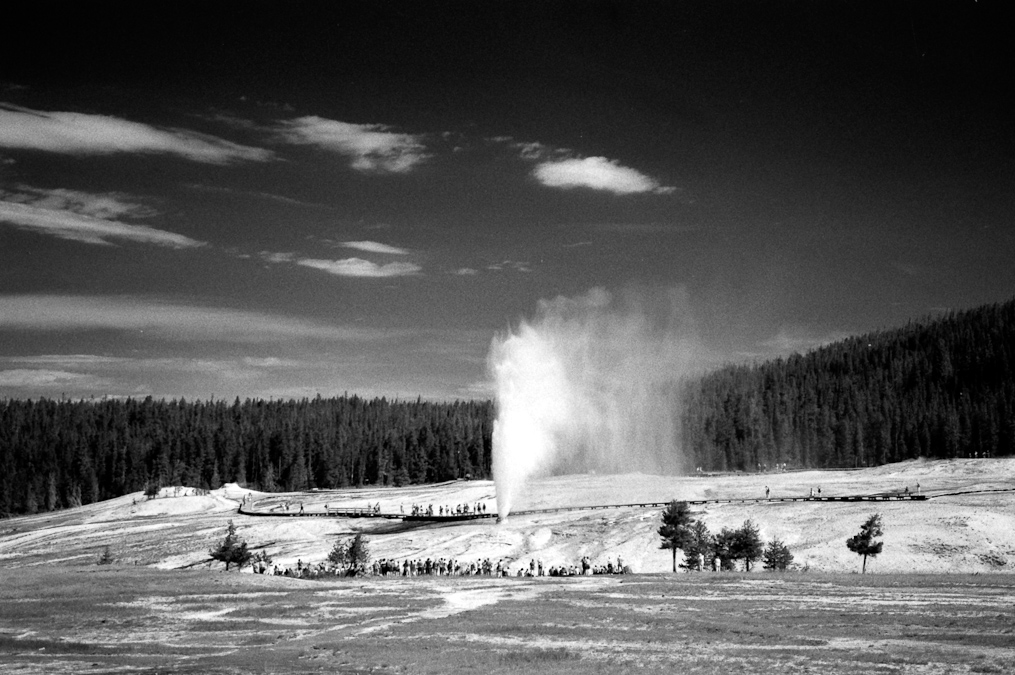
<point x="337" y="512"/>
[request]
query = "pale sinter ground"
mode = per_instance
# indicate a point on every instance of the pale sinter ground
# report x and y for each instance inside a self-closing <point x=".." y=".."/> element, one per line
<point x="969" y="532"/>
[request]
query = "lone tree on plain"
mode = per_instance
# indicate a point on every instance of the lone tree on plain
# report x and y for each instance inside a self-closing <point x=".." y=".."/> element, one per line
<point x="231" y="551"/>
<point x="777" y="556"/>
<point x="864" y="542"/>
<point x="676" y="528"/>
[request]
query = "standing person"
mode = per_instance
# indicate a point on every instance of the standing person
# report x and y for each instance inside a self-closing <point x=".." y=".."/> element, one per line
<point x="701" y="561"/>
<point x="717" y="564"/>
<point x="767" y="492"/>
<point x="301" y="508"/>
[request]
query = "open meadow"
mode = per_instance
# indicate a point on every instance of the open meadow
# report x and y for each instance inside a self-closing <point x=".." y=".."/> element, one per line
<point x="112" y="619"/>
<point x="939" y="598"/>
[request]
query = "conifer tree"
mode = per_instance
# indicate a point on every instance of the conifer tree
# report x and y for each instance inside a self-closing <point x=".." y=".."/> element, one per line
<point x="777" y="556"/>
<point x="748" y="546"/>
<point x="698" y="547"/>
<point x="864" y="542"/>
<point x="231" y="551"/>
<point x="676" y="528"/>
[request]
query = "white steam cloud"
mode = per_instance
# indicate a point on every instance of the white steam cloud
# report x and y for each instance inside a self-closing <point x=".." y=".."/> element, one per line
<point x="591" y="384"/>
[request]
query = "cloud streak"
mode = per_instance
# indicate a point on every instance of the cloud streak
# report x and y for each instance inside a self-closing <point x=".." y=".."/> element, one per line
<point x="83" y="217"/>
<point x="163" y="320"/>
<point x="371" y="147"/>
<point x="86" y="134"/>
<point x="357" y="267"/>
<point x="596" y="173"/>
<point x="33" y="378"/>
<point x="374" y="247"/>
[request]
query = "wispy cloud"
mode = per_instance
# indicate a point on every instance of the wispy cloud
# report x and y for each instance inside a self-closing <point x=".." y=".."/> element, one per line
<point x="357" y="267"/>
<point x="34" y="378"/>
<point x="371" y="147"/>
<point x="514" y="265"/>
<point x="86" y="134"/>
<point x="164" y="320"/>
<point x="596" y="173"/>
<point x="84" y="217"/>
<point x="97" y="205"/>
<point x="374" y="247"/>
<point x="278" y="256"/>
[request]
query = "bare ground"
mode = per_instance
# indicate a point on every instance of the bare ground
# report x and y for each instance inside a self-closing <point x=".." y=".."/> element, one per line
<point x="939" y="600"/>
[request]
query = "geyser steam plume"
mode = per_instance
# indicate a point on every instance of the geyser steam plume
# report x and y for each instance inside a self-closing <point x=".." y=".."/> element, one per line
<point x="590" y="384"/>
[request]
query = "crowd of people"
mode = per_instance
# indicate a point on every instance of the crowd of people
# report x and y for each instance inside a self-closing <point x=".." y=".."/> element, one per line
<point x="447" y="511"/>
<point x="444" y="567"/>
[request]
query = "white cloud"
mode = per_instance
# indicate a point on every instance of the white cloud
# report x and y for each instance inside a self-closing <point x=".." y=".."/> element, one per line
<point x="105" y="205"/>
<point x="515" y="265"/>
<point x="277" y="257"/>
<point x="271" y="362"/>
<point x="596" y="173"/>
<point x="75" y="226"/>
<point x="374" y="247"/>
<point x="371" y="146"/>
<point x="46" y="379"/>
<point x="85" y="134"/>
<point x="164" y="320"/>
<point x="66" y="360"/>
<point x="357" y="267"/>
<point x="466" y="272"/>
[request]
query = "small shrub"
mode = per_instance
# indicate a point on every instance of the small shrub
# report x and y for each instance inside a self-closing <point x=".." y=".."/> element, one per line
<point x="107" y="556"/>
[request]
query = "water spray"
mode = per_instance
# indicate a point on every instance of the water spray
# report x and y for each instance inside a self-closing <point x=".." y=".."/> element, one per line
<point x="592" y="383"/>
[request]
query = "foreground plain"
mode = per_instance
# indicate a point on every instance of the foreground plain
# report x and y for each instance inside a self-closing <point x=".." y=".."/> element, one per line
<point x="127" y="619"/>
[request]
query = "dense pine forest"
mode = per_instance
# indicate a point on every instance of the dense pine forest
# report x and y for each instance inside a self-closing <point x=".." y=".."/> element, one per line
<point x="56" y="454"/>
<point x="937" y="388"/>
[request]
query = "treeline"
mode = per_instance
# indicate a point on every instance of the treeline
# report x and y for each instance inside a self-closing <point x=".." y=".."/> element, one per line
<point x="938" y="388"/>
<point x="57" y="454"/>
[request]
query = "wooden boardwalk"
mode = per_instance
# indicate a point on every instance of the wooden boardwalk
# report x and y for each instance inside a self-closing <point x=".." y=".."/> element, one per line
<point x="333" y="512"/>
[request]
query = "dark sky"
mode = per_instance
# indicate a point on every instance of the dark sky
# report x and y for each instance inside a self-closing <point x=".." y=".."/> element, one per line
<point x="284" y="199"/>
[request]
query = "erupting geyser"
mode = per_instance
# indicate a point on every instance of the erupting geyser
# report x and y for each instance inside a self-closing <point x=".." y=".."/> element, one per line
<point x="591" y="384"/>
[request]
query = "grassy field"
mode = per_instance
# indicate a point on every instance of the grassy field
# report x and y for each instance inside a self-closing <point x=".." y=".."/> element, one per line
<point x="120" y="619"/>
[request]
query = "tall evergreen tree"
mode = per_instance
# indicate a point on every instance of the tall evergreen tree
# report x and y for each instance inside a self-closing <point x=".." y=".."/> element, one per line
<point x="676" y="528"/>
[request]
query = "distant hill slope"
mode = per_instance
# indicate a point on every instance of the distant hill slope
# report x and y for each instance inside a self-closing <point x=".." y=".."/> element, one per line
<point x="936" y="388"/>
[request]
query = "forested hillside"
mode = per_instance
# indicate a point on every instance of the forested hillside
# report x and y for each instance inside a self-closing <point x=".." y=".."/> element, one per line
<point x="937" y="388"/>
<point x="55" y="454"/>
